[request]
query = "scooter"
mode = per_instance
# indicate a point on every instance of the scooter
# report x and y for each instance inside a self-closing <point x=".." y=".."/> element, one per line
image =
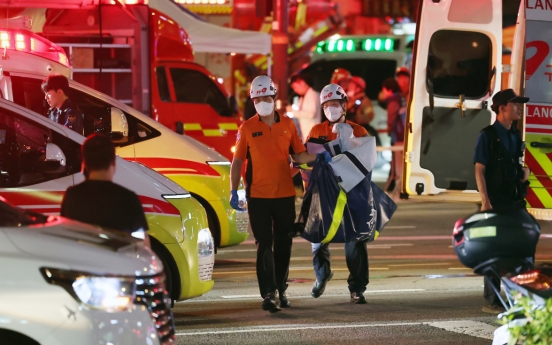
<point x="502" y="245"/>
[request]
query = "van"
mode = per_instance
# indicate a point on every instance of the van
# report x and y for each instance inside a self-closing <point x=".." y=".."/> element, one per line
<point x="191" y="164"/>
<point x="53" y="264"/>
<point x="371" y="57"/>
<point x="40" y="159"/>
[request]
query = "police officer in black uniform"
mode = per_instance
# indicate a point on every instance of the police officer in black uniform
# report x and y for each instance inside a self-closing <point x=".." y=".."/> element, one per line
<point x="501" y="178"/>
<point x="62" y="110"/>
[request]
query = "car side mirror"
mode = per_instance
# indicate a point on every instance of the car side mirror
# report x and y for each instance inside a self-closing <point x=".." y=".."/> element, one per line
<point x="233" y="105"/>
<point x="54" y="159"/>
<point x="179" y="127"/>
<point x="119" y="126"/>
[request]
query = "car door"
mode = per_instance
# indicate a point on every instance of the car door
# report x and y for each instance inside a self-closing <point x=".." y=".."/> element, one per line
<point x="26" y="179"/>
<point x="202" y="108"/>
<point x="458" y="49"/>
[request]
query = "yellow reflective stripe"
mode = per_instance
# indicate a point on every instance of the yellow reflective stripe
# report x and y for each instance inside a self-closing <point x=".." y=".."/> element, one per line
<point x="376" y="235"/>
<point x="192" y="127"/>
<point x="212" y="133"/>
<point x="305" y="166"/>
<point x="536" y="186"/>
<point x="260" y="61"/>
<point x="337" y="216"/>
<point x="320" y="31"/>
<point x="229" y="126"/>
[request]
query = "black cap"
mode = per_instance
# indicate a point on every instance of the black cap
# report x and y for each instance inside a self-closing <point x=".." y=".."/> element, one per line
<point x="506" y="96"/>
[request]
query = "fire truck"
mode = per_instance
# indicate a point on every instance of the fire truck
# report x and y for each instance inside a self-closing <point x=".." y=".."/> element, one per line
<point x="139" y="53"/>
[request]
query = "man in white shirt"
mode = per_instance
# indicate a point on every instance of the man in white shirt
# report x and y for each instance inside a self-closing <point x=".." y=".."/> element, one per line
<point x="307" y="112"/>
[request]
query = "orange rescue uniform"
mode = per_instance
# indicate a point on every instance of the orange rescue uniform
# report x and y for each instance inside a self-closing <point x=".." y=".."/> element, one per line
<point x="324" y="131"/>
<point x="267" y="151"/>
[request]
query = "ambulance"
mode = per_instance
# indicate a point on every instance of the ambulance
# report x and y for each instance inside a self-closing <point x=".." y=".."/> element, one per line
<point x="457" y="68"/>
<point x="371" y="57"/>
<point x="200" y="170"/>
<point x="40" y="159"/>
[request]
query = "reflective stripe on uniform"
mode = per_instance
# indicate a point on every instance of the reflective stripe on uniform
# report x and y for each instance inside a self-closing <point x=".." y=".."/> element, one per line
<point x="337" y="216"/>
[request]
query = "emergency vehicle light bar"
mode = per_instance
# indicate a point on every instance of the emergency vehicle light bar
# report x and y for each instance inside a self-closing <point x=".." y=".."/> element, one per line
<point x="351" y="45"/>
<point x="29" y="42"/>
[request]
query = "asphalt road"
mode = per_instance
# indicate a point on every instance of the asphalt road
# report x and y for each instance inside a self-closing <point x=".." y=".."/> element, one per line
<point x="419" y="292"/>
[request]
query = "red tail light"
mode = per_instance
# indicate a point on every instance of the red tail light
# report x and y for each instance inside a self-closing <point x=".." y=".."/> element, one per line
<point x="534" y="279"/>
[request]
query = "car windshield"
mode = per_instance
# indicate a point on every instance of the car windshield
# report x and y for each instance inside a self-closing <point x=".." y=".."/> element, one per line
<point x="13" y="216"/>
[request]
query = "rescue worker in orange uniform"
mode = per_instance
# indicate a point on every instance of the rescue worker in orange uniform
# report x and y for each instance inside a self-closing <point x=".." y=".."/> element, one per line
<point x="266" y="141"/>
<point x="341" y="77"/>
<point x="359" y="106"/>
<point x="334" y="100"/>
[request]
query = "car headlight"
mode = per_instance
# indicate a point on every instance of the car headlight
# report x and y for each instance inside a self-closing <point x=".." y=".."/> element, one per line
<point x="111" y="294"/>
<point x="205" y="244"/>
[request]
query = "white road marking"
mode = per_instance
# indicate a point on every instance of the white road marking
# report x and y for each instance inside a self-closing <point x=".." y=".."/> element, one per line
<point x="459" y="268"/>
<point x="469" y="327"/>
<point x="236" y="251"/>
<point x="298" y="269"/>
<point x="432" y="264"/>
<point x="297" y="328"/>
<point x="367" y="292"/>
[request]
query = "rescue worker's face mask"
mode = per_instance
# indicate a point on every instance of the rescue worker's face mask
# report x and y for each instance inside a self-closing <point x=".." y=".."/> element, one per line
<point x="264" y="108"/>
<point x="333" y="113"/>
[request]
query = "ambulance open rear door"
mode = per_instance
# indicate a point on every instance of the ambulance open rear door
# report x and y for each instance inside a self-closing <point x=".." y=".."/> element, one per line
<point x="456" y="70"/>
<point x="536" y="58"/>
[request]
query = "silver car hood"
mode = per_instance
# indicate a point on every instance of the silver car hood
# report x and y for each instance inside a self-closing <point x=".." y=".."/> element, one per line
<point x="66" y="244"/>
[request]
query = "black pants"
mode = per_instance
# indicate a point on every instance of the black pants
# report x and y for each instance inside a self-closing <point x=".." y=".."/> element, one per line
<point x="271" y="221"/>
<point x="488" y="292"/>
<point x="356" y="256"/>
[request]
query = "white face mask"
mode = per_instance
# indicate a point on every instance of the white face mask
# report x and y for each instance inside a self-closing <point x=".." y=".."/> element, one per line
<point x="333" y="113"/>
<point x="264" y="108"/>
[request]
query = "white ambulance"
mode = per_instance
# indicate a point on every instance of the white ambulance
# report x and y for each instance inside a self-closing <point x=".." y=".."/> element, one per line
<point x="457" y="68"/>
<point x="202" y="171"/>
<point x="65" y="282"/>
<point x="40" y="159"/>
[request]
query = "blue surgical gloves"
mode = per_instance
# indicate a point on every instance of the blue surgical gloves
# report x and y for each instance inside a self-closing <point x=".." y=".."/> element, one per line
<point x="235" y="200"/>
<point x="325" y="156"/>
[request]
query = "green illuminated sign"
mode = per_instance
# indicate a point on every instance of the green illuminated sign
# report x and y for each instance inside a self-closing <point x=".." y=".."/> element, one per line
<point x="379" y="45"/>
<point x="351" y="45"/>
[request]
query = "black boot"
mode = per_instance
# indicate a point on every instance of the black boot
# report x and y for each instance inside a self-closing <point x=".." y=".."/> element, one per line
<point x="358" y="298"/>
<point x="271" y="303"/>
<point x="284" y="301"/>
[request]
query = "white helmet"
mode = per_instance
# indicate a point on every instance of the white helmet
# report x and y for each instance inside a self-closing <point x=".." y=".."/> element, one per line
<point x="262" y="86"/>
<point x="332" y="91"/>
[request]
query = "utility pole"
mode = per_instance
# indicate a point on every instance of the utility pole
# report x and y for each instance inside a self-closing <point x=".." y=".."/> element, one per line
<point x="279" y="51"/>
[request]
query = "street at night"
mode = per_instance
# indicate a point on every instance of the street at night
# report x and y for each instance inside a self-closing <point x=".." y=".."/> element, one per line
<point x="419" y="293"/>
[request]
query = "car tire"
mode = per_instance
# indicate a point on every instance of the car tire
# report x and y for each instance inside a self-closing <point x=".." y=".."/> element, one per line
<point x="172" y="276"/>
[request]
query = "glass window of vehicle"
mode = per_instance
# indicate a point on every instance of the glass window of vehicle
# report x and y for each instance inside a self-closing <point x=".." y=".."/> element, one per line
<point x="194" y="87"/>
<point x="162" y="84"/>
<point x="97" y="113"/>
<point x="22" y="152"/>
<point x="459" y="63"/>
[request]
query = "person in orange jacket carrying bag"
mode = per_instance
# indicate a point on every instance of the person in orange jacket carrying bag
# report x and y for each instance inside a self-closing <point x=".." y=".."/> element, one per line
<point x="266" y="142"/>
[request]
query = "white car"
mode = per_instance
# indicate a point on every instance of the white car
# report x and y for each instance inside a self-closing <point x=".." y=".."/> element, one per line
<point x="65" y="282"/>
